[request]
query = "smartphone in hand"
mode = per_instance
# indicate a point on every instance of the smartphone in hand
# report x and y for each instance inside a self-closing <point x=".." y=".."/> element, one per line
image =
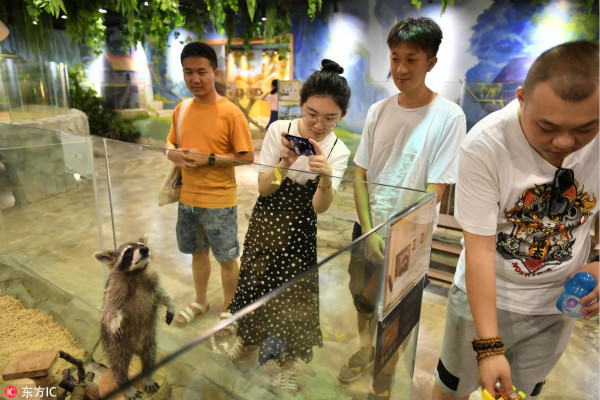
<point x="301" y="146"/>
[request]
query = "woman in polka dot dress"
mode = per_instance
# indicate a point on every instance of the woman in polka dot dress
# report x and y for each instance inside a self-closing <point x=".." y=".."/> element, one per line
<point x="281" y="241"/>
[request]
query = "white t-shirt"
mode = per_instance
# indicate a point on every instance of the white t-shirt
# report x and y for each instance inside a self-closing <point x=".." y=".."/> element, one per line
<point x="269" y="154"/>
<point x="502" y="190"/>
<point x="408" y="148"/>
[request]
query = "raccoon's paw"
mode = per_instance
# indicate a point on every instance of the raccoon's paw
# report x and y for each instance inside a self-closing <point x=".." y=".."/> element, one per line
<point x="119" y="334"/>
<point x="150" y="385"/>
<point x="132" y="393"/>
<point x="169" y="317"/>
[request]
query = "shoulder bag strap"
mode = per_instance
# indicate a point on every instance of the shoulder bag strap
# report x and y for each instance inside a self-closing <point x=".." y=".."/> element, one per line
<point x="330" y="151"/>
<point x="184" y="105"/>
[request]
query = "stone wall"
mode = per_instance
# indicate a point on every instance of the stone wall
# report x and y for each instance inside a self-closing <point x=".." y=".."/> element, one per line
<point x="34" y="158"/>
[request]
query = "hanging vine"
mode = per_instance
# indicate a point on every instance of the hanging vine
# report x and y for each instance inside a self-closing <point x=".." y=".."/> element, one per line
<point x="152" y="21"/>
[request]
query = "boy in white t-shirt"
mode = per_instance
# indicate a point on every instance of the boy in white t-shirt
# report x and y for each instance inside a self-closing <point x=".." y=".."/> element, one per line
<point x="411" y="140"/>
<point x="526" y="196"/>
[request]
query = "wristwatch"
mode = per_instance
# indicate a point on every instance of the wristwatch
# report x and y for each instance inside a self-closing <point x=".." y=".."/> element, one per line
<point x="211" y="159"/>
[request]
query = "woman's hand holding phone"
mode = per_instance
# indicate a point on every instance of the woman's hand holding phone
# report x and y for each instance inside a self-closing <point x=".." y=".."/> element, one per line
<point x="318" y="162"/>
<point x="288" y="156"/>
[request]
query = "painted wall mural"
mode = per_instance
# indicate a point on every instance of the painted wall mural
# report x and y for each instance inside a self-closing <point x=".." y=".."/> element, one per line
<point x="507" y="38"/>
<point x="488" y="46"/>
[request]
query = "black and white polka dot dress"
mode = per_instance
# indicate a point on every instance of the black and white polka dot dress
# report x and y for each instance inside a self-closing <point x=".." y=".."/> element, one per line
<point x="281" y="242"/>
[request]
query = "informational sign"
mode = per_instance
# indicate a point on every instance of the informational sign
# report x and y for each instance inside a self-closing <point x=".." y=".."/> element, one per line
<point x="408" y="251"/>
<point x="396" y="326"/>
<point x="289" y="90"/>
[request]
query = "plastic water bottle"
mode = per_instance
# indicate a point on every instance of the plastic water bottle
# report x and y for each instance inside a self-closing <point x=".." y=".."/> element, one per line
<point x="575" y="288"/>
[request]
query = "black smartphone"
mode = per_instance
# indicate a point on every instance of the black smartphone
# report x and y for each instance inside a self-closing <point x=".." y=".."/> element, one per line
<point x="301" y="146"/>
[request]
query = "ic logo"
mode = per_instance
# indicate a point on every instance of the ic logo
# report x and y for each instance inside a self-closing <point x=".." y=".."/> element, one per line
<point x="11" y="392"/>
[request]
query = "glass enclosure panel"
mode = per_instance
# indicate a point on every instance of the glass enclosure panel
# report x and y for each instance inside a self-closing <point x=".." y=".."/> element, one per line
<point x="32" y="90"/>
<point x="49" y="224"/>
<point x="107" y="195"/>
<point x="4" y="108"/>
<point x="313" y="319"/>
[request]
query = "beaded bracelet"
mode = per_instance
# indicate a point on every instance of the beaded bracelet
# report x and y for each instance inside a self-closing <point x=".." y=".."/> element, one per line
<point x="490" y="353"/>
<point x="487" y="347"/>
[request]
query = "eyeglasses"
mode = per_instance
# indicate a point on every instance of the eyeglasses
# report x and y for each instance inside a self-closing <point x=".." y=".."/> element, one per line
<point x="563" y="180"/>
<point x="327" y="122"/>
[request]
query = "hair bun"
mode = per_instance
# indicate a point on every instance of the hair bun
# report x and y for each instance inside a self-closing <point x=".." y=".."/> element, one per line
<point x="331" y="66"/>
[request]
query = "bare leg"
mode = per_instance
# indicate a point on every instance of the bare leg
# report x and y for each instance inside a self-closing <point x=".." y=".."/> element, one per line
<point x="200" y="272"/>
<point x="229" y="277"/>
<point x="364" y="333"/>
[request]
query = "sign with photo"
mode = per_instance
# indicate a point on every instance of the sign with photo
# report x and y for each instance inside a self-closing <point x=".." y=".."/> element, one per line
<point x="408" y="251"/>
<point x="396" y="326"/>
<point x="289" y="90"/>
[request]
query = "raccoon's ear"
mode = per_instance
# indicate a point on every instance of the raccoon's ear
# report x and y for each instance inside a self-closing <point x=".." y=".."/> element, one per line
<point x="144" y="239"/>
<point x="106" y="257"/>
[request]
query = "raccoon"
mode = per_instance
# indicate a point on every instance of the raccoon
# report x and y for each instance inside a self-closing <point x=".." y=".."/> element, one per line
<point x="131" y="300"/>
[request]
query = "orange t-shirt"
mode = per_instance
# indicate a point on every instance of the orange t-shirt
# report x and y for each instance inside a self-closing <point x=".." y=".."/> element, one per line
<point x="217" y="128"/>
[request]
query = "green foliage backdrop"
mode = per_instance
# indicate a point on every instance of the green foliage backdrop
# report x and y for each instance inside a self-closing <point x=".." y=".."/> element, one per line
<point x="152" y="21"/>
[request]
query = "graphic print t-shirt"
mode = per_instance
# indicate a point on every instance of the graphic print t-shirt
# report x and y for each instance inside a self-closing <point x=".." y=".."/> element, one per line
<point x="503" y="190"/>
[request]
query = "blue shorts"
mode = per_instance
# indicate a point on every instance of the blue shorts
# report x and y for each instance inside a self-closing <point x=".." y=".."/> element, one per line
<point x="199" y="229"/>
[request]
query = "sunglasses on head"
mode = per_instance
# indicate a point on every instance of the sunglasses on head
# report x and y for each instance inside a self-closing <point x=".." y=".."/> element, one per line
<point x="563" y="180"/>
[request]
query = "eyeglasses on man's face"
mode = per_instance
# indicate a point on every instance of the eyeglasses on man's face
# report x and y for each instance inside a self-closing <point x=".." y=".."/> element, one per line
<point x="326" y="122"/>
<point x="563" y="180"/>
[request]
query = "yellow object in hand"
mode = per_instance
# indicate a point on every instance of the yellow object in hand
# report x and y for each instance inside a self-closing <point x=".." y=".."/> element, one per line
<point x="485" y="395"/>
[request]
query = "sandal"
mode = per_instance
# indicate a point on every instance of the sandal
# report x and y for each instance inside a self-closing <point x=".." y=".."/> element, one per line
<point x="378" y="396"/>
<point x="228" y="331"/>
<point x="284" y="382"/>
<point x="237" y="351"/>
<point x="354" y="367"/>
<point x="380" y="388"/>
<point x="270" y="368"/>
<point x="189" y="315"/>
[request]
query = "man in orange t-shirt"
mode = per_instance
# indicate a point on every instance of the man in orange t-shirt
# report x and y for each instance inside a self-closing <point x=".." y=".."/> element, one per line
<point x="214" y="137"/>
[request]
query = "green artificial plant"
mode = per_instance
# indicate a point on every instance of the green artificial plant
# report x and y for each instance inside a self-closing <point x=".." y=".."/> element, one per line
<point x="103" y="122"/>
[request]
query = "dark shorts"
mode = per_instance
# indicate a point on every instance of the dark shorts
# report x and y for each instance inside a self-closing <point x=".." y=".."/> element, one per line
<point x="359" y="267"/>
<point x="199" y="229"/>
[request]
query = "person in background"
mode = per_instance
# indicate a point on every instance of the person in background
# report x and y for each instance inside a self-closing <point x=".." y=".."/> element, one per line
<point x="526" y="197"/>
<point x="273" y="100"/>
<point x="281" y="241"/>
